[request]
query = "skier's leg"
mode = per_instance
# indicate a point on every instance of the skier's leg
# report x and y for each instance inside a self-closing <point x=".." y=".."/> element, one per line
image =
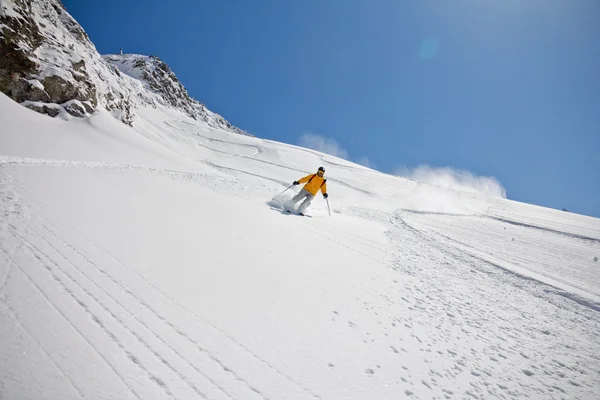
<point x="305" y="203"/>
<point x="301" y="194"/>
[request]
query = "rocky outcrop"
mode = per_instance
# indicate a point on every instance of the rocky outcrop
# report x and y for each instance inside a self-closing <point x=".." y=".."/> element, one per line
<point x="49" y="64"/>
<point x="20" y="37"/>
<point x="159" y="79"/>
<point x="45" y="56"/>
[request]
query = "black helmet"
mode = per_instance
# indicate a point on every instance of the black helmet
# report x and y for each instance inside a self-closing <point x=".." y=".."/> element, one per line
<point x="322" y="169"/>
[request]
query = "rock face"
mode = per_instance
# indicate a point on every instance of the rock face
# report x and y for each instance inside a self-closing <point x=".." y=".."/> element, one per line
<point x="157" y="78"/>
<point x="49" y="64"/>
<point x="47" y="58"/>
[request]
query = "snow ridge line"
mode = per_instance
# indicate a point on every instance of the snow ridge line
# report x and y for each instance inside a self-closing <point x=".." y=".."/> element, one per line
<point x="4" y="160"/>
<point x="256" y="148"/>
<point x="217" y="166"/>
<point x="406" y="210"/>
<point x="594" y="305"/>
<point x="581" y="300"/>
<point x="124" y="325"/>
<point x="146" y="305"/>
<point x="176" y="174"/>
<point x="53" y="305"/>
<point x="200" y="319"/>
<point x="339" y="182"/>
<point x="523" y="224"/>
<point x="9" y="160"/>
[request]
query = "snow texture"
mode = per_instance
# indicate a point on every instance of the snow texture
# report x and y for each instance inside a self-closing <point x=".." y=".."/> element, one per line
<point x="146" y="263"/>
<point x="36" y="83"/>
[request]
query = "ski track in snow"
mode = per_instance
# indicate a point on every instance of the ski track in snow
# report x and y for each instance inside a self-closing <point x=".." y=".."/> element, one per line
<point x="81" y="289"/>
<point x="443" y="305"/>
<point x="86" y="297"/>
<point x="429" y="248"/>
<point x="229" y="185"/>
<point x="231" y="148"/>
<point x="525" y="250"/>
<point x="508" y="221"/>
<point x="142" y="341"/>
<point x="180" y="332"/>
<point x="459" y="313"/>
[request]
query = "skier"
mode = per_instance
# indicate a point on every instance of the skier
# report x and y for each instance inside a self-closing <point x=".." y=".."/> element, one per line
<point x="314" y="183"/>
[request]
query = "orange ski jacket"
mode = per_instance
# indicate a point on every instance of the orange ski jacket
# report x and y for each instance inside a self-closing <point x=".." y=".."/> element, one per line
<point x="315" y="182"/>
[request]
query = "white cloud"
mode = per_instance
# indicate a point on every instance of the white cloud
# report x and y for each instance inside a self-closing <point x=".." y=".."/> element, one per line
<point x="366" y="162"/>
<point x="330" y="146"/>
<point x="454" y="179"/>
<point x="323" y="144"/>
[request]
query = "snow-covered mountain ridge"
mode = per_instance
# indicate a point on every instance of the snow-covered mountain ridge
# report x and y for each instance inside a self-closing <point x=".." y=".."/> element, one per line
<point x="49" y="64"/>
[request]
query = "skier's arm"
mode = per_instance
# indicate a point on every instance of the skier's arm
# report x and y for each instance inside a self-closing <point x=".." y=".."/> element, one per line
<point x="324" y="190"/>
<point x="305" y="179"/>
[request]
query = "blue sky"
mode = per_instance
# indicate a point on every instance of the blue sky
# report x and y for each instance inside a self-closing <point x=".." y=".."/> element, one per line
<point x="507" y="88"/>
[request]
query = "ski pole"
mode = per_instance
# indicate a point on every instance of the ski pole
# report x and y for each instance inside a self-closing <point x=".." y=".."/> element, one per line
<point x="329" y="209"/>
<point x="289" y="187"/>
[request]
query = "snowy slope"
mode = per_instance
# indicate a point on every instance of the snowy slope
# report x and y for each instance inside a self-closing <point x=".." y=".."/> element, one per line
<point x="150" y="263"/>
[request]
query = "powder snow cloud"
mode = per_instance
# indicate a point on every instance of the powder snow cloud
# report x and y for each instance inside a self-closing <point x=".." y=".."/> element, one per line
<point x="454" y="179"/>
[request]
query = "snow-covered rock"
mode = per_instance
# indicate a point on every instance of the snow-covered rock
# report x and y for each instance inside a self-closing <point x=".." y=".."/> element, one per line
<point x="157" y="78"/>
<point x="48" y="63"/>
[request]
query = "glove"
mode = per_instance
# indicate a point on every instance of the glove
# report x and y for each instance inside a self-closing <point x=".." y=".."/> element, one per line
<point x="325" y="195"/>
<point x="296" y="183"/>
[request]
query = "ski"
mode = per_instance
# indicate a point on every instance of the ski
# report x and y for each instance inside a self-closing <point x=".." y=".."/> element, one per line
<point x="299" y="214"/>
